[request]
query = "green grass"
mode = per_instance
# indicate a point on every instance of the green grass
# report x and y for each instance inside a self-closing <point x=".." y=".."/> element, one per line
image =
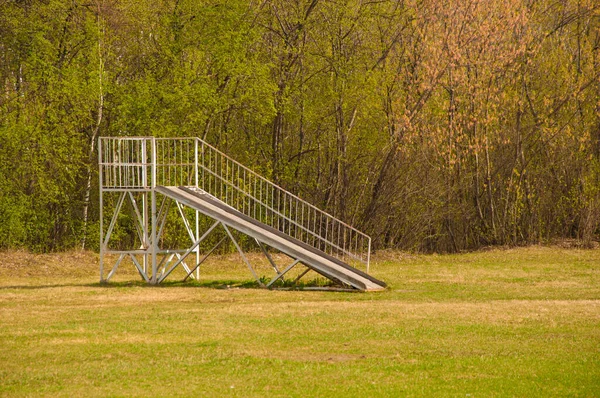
<point x="519" y="322"/>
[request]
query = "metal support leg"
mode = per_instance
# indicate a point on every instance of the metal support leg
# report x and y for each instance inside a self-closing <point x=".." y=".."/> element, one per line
<point x="197" y="267"/>
<point x="266" y="253"/>
<point x="243" y="255"/>
<point x="101" y="209"/>
<point x="154" y="238"/>
<point x="197" y="220"/>
<point x="146" y="240"/>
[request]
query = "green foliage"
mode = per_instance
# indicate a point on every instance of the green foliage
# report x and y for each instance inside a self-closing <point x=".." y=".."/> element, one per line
<point x="429" y="126"/>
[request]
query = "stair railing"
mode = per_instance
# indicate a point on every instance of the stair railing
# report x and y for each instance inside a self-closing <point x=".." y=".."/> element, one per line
<point x="147" y="162"/>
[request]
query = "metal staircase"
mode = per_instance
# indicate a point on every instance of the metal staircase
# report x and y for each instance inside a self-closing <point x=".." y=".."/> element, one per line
<point x="152" y="174"/>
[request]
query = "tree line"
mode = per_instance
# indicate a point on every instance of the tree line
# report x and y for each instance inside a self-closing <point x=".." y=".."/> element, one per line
<point x="430" y="125"/>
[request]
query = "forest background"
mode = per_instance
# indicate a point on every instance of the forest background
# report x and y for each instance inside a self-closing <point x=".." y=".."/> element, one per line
<point x="430" y="125"/>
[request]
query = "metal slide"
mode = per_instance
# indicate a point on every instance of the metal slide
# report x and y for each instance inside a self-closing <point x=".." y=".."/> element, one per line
<point x="313" y="258"/>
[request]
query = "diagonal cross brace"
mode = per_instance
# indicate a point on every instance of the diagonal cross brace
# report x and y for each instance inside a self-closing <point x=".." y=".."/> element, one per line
<point x="243" y="255"/>
<point x="266" y="253"/>
<point x="191" y="249"/>
<point x="113" y="221"/>
<point x="204" y="258"/>
<point x="285" y="271"/>
<point x="139" y="268"/>
<point x="114" y="268"/>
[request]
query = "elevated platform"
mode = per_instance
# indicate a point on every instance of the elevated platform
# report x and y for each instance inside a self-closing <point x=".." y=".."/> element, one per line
<point x="146" y="179"/>
<point x="317" y="260"/>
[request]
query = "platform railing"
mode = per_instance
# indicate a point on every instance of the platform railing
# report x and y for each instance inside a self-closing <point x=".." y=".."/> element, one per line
<point x="142" y="163"/>
<point x="125" y="163"/>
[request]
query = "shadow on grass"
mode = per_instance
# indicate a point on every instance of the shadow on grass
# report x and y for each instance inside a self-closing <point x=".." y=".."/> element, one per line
<point x="56" y="285"/>
<point x="222" y="284"/>
<point x="212" y="284"/>
<point x="316" y="284"/>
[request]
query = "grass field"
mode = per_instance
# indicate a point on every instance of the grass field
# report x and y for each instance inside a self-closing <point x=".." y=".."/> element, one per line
<point x="518" y="322"/>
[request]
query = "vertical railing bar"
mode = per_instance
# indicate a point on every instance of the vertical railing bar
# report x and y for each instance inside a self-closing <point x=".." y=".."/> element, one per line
<point x="296" y="218"/>
<point x="236" y="183"/>
<point x="181" y="145"/>
<point x="120" y="171"/>
<point x="290" y="210"/>
<point x="226" y="178"/>
<point x="369" y="255"/>
<point x="338" y="234"/>
<point x="132" y="169"/>
<point x="180" y="165"/>
<point x="127" y="166"/>
<point x="274" y="215"/>
<point x="196" y="164"/>
<point x="278" y="206"/>
<point x="291" y="215"/>
<point x="314" y="225"/>
<point x="116" y="165"/>
<point x="101" y="161"/>
<point x="326" y="230"/>
<point x="143" y="162"/>
<point x="261" y="207"/>
<point x="285" y="215"/>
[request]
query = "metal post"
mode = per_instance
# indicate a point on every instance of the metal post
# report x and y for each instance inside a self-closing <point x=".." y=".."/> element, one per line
<point x="101" y="183"/>
<point x="143" y="161"/>
<point x="196" y="185"/>
<point x="369" y="256"/>
<point x="145" y="230"/>
<point x="153" y="211"/>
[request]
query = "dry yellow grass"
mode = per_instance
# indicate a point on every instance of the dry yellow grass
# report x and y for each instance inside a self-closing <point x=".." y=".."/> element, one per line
<point x="503" y="322"/>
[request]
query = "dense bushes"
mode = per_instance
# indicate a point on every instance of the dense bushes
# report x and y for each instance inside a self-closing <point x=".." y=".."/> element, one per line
<point x="436" y="126"/>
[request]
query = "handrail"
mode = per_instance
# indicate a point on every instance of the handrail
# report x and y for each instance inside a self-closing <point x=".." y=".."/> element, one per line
<point x="142" y="163"/>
